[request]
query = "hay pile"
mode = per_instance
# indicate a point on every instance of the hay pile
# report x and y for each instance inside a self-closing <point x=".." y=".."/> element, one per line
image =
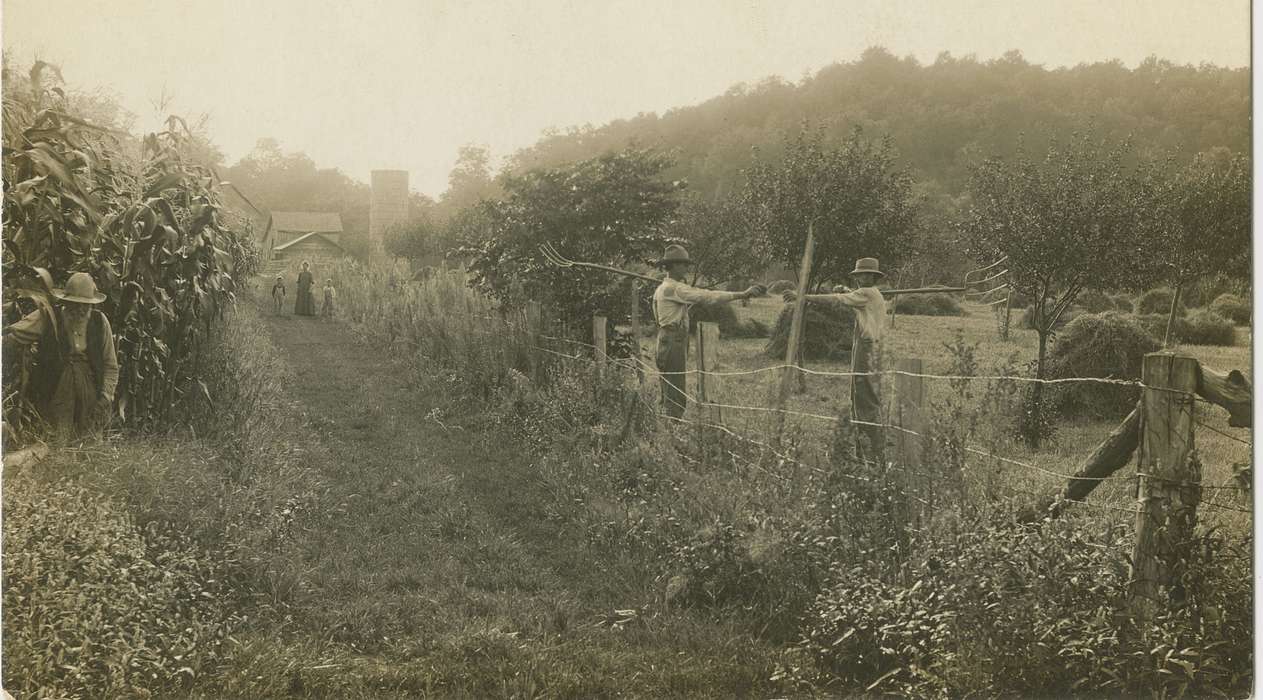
<point x="1110" y="344"/>
<point x="827" y="332"/>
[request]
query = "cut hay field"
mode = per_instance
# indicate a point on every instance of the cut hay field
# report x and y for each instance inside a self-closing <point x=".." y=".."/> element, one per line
<point x="930" y="338"/>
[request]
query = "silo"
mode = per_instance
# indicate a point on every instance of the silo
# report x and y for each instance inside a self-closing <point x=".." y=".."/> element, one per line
<point x="389" y="204"/>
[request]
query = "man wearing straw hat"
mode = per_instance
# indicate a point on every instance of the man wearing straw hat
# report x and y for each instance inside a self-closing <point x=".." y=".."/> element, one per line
<point x="870" y="310"/>
<point x="76" y="369"/>
<point x="671" y="302"/>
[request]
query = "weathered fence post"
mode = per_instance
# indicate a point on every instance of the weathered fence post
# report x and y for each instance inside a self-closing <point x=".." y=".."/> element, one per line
<point x="910" y="400"/>
<point x="1169" y="485"/>
<point x="600" y="350"/>
<point x="795" y="328"/>
<point x="709" y="386"/>
<point x="534" y="329"/>
<point x="635" y="329"/>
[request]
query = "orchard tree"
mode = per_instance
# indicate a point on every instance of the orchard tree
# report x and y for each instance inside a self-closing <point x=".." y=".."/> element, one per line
<point x="1066" y="220"/>
<point x="1198" y="222"/>
<point x="861" y="204"/>
<point x="718" y="238"/>
<point x="612" y="209"/>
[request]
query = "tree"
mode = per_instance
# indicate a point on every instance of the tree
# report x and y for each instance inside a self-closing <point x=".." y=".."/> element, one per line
<point x="420" y="238"/>
<point x="1065" y="221"/>
<point x="1198" y="221"/>
<point x="861" y="205"/>
<point x="469" y="182"/>
<point x="718" y="239"/>
<point x="612" y="209"/>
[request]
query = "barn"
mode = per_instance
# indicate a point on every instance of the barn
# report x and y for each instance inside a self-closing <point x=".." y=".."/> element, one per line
<point x="285" y="228"/>
<point x="316" y="247"/>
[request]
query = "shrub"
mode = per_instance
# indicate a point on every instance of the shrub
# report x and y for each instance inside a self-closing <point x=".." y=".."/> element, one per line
<point x="1158" y="301"/>
<point x="96" y="607"/>
<point x="781" y="286"/>
<point x="929" y="305"/>
<point x="827" y="332"/>
<point x="1200" y="328"/>
<point x="1099" y="345"/>
<point x="989" y="609"/>
<point x="1233" y="308"/>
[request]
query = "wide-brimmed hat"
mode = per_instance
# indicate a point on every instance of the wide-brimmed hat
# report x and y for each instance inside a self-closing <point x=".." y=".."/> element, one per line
<point x="81" y="289"/>
<point x="867" y="265"/>
<point x="674" y="254"/>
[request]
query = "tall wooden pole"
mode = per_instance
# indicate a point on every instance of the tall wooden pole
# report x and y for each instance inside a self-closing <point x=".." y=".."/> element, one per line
<point x="709" y="386"/>
<point x="1169" y="487"/>
<point x="635" y="329"/>
<point x="796" y="325"/>
<point x="601" y="350"/>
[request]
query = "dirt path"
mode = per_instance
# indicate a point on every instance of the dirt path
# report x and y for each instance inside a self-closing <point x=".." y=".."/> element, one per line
<point x="440" y="572"/>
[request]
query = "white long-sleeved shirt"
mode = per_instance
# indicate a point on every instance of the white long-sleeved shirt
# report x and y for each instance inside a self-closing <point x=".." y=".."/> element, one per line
<point x="869" y="305"/>
<point x="672" y="299"/>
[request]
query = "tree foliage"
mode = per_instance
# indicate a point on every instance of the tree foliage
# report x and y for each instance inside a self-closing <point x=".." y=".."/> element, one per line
<point x="612" y="210"/>
<point x="717" y="236"/>
<point x="861" y="204"/>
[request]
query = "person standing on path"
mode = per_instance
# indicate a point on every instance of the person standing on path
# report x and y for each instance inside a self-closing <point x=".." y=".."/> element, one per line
<point x="870" y="310"/>
<point x="305" y="302"/>
<point x="278" y="294"/>
<point x="671" y="302"/>
<point x="76" y="369"/>
<point x="326" y="310"/>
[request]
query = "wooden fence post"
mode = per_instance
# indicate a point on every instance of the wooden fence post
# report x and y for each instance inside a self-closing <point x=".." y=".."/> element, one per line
<point x="909" y="415"/>
<point x="601" y="350"/>
<point x="534" y="329"/>
<point x="1169" y="486"/>
<point x="709" y="386"/>
<point x="635" y="329"/>
<point x="795" y="328"/>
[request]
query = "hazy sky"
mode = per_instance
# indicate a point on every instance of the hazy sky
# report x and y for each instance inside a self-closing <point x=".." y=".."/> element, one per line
<point x="364" y="84"/>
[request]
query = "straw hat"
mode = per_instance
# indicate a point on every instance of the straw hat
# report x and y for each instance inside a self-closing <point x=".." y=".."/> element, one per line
<point x="674" y="254"/>
<point x="81" y="289"/>
<point x="867" y="265"/>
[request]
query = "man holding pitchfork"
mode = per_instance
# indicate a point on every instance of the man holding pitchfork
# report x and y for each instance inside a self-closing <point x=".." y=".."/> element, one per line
<point x="870" y="310"/>
<point x="671" y="302"/>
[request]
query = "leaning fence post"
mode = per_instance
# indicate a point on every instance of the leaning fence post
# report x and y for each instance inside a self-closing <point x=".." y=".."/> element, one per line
<point x="709" y="386"/>
<point x="599" y="350"/>
<point x="534" y="329"/>
<point x="1169" y="486"/>
<point x="635" y="329"/>
<point x="795" y="328"/>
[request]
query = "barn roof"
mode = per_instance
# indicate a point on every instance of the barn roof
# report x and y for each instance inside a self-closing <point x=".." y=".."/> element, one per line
<point x="313" y="237"/>
<point x="324" y="222"/>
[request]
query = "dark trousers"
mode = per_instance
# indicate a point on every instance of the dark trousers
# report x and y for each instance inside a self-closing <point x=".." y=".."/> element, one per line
<point x="673" y="349"/>
<point x="866" y="395"/>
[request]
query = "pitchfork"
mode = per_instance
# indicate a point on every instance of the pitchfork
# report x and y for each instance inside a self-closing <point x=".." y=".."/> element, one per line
<point x="551" y="254"/>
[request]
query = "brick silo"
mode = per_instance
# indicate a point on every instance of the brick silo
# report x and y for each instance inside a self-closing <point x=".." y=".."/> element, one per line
<point x="389" y="204"/>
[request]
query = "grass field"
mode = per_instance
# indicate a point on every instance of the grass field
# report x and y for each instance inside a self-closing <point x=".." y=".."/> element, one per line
<point x="929" y="338"/>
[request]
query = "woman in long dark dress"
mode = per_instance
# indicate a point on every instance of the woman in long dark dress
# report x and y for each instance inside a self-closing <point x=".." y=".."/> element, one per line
<point x="305" y="303"/>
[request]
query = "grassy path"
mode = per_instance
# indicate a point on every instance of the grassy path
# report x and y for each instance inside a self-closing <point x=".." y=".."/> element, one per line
<point x="436" y="570"/>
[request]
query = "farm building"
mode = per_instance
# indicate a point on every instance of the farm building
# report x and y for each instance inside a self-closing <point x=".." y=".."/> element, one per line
<point x="281" y="238"/>
<point x="315" y="247"/>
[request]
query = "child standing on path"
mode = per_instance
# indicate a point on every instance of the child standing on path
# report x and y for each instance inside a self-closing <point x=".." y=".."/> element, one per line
<point x="278" y="294"/>
<point x="326" y="309"/>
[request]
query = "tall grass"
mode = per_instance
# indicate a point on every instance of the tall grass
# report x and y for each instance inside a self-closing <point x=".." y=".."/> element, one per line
<point x="861" y="576"/>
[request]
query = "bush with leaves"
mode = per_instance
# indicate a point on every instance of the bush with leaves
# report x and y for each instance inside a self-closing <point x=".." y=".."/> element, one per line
<point x="1108" y="345"/>
<point x="95" y="606"/>
<point x="1233" y="308"/>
